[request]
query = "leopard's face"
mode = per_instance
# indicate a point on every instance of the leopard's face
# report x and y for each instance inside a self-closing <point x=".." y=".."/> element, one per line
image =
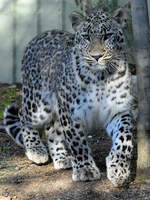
<point x="99" y="39"/>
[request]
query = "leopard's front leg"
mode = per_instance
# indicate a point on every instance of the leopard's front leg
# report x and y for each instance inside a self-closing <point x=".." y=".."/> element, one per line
<point x="57" y="146"/>
<point x="120" y="159"/>
<point x="84" y="167"/>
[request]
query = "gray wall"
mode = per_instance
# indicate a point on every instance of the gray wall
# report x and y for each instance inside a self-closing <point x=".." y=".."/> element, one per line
<point x="20" y="21"/>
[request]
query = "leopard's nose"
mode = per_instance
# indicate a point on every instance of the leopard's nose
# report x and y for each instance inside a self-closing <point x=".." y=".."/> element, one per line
<point x="96" y="57"/>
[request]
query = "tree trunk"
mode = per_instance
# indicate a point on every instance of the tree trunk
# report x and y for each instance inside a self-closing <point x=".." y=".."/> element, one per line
<point x="141" y="35"/>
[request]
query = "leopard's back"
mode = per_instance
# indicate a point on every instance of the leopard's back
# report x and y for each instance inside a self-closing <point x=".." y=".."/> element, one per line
<point x="44" y="55"/>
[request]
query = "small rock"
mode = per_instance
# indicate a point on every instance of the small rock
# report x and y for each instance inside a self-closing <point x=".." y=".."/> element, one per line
<point x="5" y="198"/>
<point x="17" y="168"/>
<point x="5" y="194"/>
<point x="147" y="181"/>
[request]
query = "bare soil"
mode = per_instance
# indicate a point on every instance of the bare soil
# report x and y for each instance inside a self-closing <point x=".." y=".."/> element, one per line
<point x="20" y="179"/>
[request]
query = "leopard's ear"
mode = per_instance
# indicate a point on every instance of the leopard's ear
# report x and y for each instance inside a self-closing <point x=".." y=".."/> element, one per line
<point x="122" y="15"/>
<point x="77" y="20"/>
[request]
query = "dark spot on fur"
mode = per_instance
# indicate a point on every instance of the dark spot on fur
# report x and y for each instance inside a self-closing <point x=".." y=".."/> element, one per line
<point x="51" y="140"/>
<point x="125" y="116"/>
<point x="113" y="165"/>
<point x="80" y="151"/>
<point x="114" y="91"/>
<point x="33" y="139"/>
<point x="129" y="148"/>
<point x="79" y="158"/>
<point x="29" y="105"/>
<point x="42" y="117"/>
<point x="77" y="126"/>
<point x="77" y="138"/>
<point x="74" y="95"/>
<point x="35" y="133"/>
<point x="78" y="101"/>
<point x="121" y="129"/>
<point x="65" y="123"/>
<point x="119" y="85"/>
<point x="34" y="107"/>
<point x="72" y="130"/>
<point x="75" y="143"/>
<point x="74" y="151"/>
<point x="84" y="142"/>
<point x="123" y="95"/>
<point x="122" y="156"/>
<point x="119" y="102"/>
<point x="126" y="87"/>
<point x="47" y="110"/>
<point x="69" y="134"/>
<point x="121" y="138"/>
<point x="58" y="132"/>
<point x="84" y="100"/>
<point x="81" y="134"/>
<point x="85" y="157"/>
<point x="72" y="110"/>
<point x="121" y="164"/>
<point x="124" y="148"/>
<point x="113" y="98"/>
<point x="129" y="137"/>
<point x="118" y="147"/>
<point x="59" y="149"/>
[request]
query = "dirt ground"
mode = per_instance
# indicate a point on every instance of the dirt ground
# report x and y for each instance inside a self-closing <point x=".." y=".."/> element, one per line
<point x="20" y="179"/>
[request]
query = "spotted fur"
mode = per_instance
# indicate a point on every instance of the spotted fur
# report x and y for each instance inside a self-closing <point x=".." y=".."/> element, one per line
<point x="73" y="83"/>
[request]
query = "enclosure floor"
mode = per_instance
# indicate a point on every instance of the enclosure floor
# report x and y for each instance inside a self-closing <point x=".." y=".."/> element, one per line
<point x="20" y="179"/>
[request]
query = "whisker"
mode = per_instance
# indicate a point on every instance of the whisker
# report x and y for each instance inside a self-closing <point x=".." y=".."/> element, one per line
<point x="89" y="59"/>
<point x="112" y="67"/>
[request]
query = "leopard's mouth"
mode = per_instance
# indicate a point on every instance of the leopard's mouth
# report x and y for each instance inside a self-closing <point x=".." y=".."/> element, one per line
<point x="93" y="57"/>
<point x="99" y="61"/>
<point x="101" y="58"/>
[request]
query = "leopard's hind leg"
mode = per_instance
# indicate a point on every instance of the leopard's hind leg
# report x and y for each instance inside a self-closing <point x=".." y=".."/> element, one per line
<point x="21" y="130"/>
<point x="35" y="149"/>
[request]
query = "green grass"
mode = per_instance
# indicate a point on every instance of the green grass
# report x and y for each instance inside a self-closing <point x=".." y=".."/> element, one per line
<point x="5" y="166"/>
<point x="7" y="97"/>
<point x="4" y="148"/>
<point x="140" y="181"/>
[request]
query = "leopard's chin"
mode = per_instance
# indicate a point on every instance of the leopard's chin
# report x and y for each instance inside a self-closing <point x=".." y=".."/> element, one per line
<point x="101" y="66"/>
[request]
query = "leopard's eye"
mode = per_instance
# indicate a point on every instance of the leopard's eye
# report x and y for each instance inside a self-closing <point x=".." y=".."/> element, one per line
<point x="108" y="35"/>
<point x="86" y="37"/>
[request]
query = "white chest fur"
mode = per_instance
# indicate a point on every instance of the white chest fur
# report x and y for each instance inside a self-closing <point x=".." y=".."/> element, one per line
<point x="101" y="105"/>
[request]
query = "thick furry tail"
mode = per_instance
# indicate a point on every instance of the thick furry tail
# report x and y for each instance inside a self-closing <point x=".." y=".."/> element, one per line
<point x="12" y="124"/>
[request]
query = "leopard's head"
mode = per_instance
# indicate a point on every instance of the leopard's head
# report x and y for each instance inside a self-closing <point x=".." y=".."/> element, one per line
<point x="98" y="37"/>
